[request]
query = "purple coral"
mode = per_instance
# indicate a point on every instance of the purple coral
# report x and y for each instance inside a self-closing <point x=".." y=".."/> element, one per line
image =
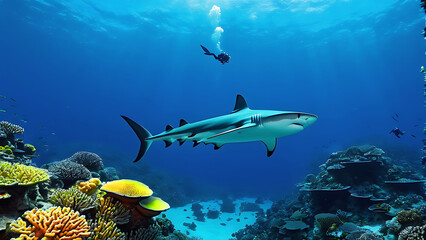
<point x="91" y="161"/>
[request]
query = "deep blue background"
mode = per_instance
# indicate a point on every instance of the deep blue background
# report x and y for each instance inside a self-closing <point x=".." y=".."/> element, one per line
<point x="74" y="69"/>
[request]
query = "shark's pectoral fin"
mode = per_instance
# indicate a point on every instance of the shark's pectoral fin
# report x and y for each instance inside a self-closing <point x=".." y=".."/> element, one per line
<point x="270" y="144"/>
<point x="168" y="143"/>
<point x="248" y="125"/>
<point x="217" y="145"/>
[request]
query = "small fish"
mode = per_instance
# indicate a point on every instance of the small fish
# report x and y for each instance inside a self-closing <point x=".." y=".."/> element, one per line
<point x="2" y="110"/>
<point x="13" y="99"/>
<point x="41" y="126"/>
<point x="53" y="133"/>
<point x="394" y="119"/>
<point x="414" y="136"/>
<point x="1" y="96"/>
<point x="396" y="114"/>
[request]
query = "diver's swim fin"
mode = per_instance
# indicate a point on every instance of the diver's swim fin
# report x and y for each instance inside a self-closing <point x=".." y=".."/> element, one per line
<point x="207" y="52"/>
<point x="142" y="134"/>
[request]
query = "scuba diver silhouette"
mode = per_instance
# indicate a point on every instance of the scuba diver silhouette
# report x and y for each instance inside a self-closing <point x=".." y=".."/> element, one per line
<point x="222" y="57"/>
<point x="397" y="132"/>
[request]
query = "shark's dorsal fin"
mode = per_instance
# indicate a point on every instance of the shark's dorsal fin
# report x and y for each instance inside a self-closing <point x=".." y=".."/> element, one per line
<point x="240" y="104"/>
<point x="182" y="122"/>
<point x="270" y="144"/>
<point x="169" y="128"/>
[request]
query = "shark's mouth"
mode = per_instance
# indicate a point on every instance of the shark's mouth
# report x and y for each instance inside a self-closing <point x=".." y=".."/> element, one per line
<point x="297" y="124"/>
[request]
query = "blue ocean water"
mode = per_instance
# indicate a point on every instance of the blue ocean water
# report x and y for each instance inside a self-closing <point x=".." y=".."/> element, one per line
<point x="72" y="68"/>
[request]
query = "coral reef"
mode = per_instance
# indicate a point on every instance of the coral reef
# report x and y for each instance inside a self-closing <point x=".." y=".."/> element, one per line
<point x="69" y="172"/>
<point x="20" y="174"/>
<point x="152" y="206"/>
<point x="110" y="209"/>
<point x="149" y="233"/>
<point x="24" y="186"/>
<point x="72" y="198"/>
<point x="90" y="187"/>
<point x="54" y="223"/>
<point x="102" y="229"/>
<point x="129" y="192"/>
<point x="108" y="174"/>
<point x="413" y="233"/>
<point x="91" y="161"/>
<point x="10" y="128"/>
<point x="11" y="149"/>
<point x="354" y="188"/>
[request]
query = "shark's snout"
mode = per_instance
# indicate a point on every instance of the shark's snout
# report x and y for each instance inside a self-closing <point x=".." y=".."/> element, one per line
<point x="308" y="119"/>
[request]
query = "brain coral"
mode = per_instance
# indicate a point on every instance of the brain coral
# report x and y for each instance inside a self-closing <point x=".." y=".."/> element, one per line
<point x="54" y="223"/>
<point x="91" y="161"/>
<point x="90" y="186"/>
<point x="10" y="128"/>
<point x="69" y="171"/>
<point x="20" y="174"/>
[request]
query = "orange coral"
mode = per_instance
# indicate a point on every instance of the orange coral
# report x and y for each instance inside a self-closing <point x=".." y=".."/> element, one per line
<point x="56" y="224"/>
<point x="89" y="187"/>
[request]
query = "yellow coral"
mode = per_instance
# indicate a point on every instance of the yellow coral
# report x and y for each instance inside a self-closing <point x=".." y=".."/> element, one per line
<point x="110" y="209"/>
<point x="31" y="147"/>
<point x="6" y="149"/>
<point x="21" y="174"/>
<point x="89" y="187"/>
<point x="105" y="230"/>
<point x="56" y="224"/>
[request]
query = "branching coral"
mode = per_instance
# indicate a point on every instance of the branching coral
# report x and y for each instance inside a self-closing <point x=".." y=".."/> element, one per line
<point x="55" y="223"/>
<point x="413" y="233"/>
<point x="10" y="128"/>
<point x="102" y="230"/>
<point x="90" y="186"/>
<point x="72" y="198"/>
<point x="112" y="210"/>
<point x="149" y="233"/>
<point x="21" y="174"/>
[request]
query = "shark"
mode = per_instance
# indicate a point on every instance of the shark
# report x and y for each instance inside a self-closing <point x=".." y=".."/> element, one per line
<point x="241" y="125"/>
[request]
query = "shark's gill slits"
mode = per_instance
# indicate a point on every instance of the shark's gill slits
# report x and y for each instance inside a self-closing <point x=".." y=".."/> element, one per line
<point x="257" y="119"/>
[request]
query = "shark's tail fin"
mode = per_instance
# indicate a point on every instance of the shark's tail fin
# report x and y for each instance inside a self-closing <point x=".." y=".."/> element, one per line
<point x="142" y="134"/>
